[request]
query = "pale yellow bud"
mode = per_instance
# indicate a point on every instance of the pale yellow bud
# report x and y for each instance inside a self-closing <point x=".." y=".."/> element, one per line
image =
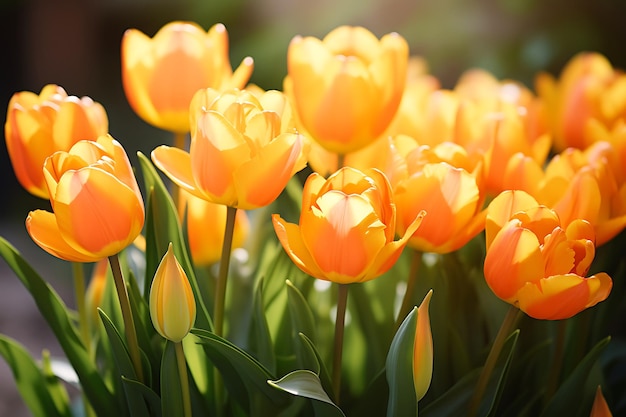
<point x="172" y="304"/>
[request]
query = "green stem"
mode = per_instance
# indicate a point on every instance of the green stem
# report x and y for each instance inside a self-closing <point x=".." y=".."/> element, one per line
<point x="416" y="262"/>
<point x="220" y="296"/>
<point x="222" y="278"/>
<point x="509" y="322"/>
<point x="342" y="302"/>
<point x="184" y="379"/>
<point x="127" y="315"/>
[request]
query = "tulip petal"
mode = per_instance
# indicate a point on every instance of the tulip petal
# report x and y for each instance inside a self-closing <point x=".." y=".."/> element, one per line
<point x="343" y="234"/>
<point x="503" y="207"/>
<point x="513" y="259"/>
<point x="390" y="253"/>
<point x="562" y="296"/>
<point x="43" y="229"/>
<point x="261" y="179"/>
<point x="290" y="237"/>
<point x="96" y="212"/>
<point x="176" y="164"/>
<point x="217" y="150"/>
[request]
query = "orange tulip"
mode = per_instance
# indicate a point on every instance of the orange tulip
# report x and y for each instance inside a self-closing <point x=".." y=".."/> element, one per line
<point x="172" y="304"/>
<point x="536" y="264"/>
<point x="39" y="125"/>
<point x="161" y="75"/>
<point x="347" y="227"/>
<point x="96" y="203"/>
<point x="243" y="149"/>
<point x="437" y="180"/>
<point x="586" y="185"/>
<point x="205" y="228"/>
<point x="347" y="87"/>
<point x="588" y="93"/>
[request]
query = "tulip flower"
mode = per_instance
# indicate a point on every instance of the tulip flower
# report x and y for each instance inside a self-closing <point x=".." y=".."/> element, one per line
<point x="451" y="195"/>
<point x="39" y="125"/>
<point x="347" y="227"/>
<point x="589" y="93"/>
<point x="536" y="264"/>
<point x="161" y="74"/>
<point x="346" y="88"/>
<point x="243" y="149"/>
<point x="205" y="228"/>
<point x="423" y="350"/>
<point x="97" y="206"/>
<point x="172" y="304"/>
<point x="586" y="185"/>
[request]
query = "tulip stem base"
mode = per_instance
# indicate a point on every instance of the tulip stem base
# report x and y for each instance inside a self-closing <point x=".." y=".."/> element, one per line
<point x="506" y="328"/>
<point x="342" y="302"/>
<point x="127" y="315"/>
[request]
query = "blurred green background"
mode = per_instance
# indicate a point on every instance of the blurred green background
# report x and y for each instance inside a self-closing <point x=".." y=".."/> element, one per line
<point x="76" y="44"/>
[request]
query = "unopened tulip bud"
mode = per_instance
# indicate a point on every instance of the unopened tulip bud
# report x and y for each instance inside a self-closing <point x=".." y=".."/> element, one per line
<point x="423" y="350"/>
<point x="172" y="304"/>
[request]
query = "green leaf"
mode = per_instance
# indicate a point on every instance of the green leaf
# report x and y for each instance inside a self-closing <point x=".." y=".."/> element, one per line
<point x="152" y="400"/>
<point x="574" y="385"/>
<point x="312" y="359"/>
<point x="261" y="338"/>
<point x="55" y="387"/>
<point x="162" y="227"/>
<point x="56" y="314"/>
<point x="399" y="367"/>
<point x="300" y="313"/>
<point x="126" y="370"/>
<point x="500" y="377"/>
<point x="242" y="374"/>
<point x="304" y="383"/>
<point x="455" y="401"/>
<point x="31" y="382"/>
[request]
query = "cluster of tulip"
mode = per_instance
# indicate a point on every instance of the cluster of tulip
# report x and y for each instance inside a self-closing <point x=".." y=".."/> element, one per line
<point x="395" y="161"/>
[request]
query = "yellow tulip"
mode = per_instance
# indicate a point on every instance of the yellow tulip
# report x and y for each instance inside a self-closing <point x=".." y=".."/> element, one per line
<point x="205" y="228"/>
<point x="347" y="227"/>
<point x="39" y="125"/>
<point x="536" y="264"/>
<point x="437" y="180"/>
<point x="347" y="87"/>
<point x="588" y="92"/>
<point x="172" y="304"/>
<point x="96" y="202"/>
<point x="586" y="185"/>
<point x="161" y="74"/>
<point x="243" y="149"/>
<point x="423" y="349"/>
